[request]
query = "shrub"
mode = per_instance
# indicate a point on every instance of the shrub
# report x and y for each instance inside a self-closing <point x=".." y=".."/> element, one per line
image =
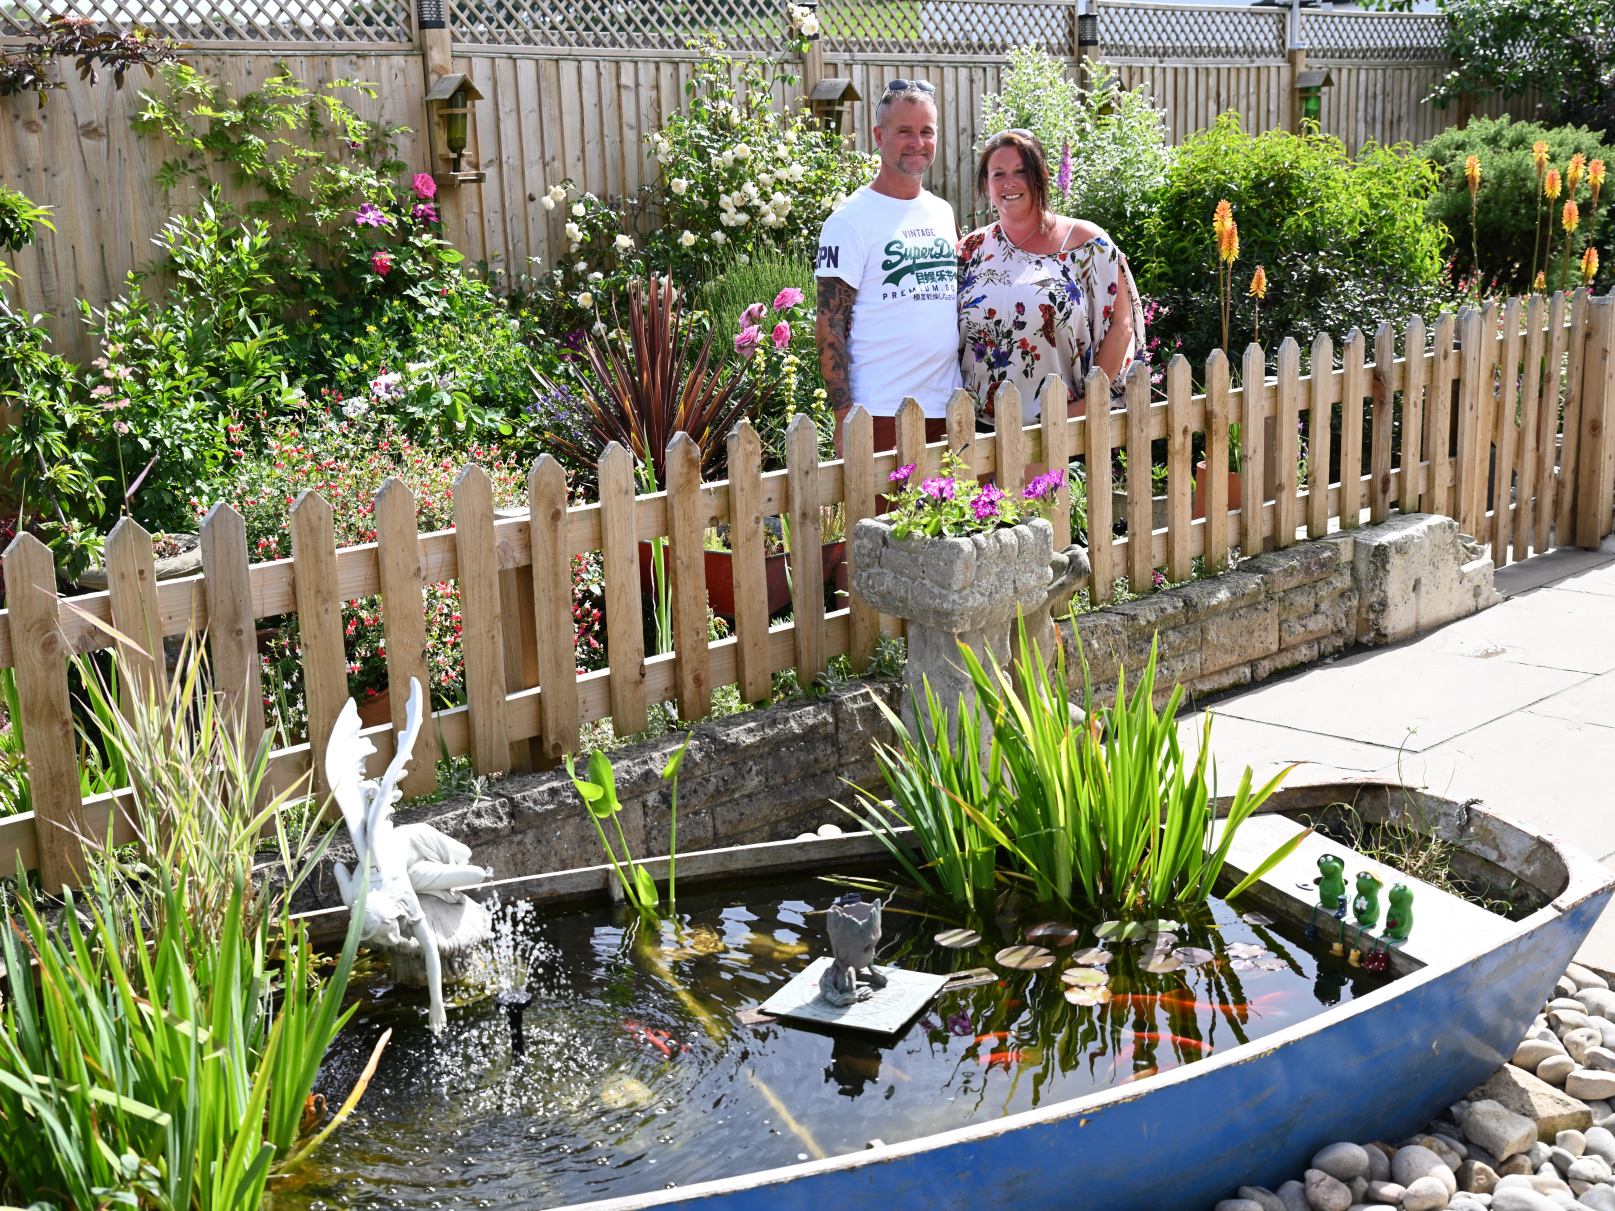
<point x="1510" y="210"/>
<point x="1344" y="242"/>
<point x="1117" y="139"/>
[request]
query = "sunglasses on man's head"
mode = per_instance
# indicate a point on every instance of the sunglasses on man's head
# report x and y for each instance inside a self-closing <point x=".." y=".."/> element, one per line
<point x="1018" y="131"/>
<point x="894" y="87"/>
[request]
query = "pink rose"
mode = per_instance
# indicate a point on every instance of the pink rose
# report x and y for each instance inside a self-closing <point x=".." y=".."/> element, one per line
<point x="748" y="339"/>
<point x="789" y="297"/>
<point x="752" y="315"/>
<point x="381" y="263"/>
<point x="425" y="187"/>
<point x="782" y="335"/>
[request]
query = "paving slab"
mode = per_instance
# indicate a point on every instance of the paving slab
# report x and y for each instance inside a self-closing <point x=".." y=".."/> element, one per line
<point x="1592" y="701"/>
<point x="1547" y="569"/>
<point x="1408" y="698"/>
<point x="1269" y="747"/>
<point x="1549" y="628"/>
<point x="1598" y="579"/>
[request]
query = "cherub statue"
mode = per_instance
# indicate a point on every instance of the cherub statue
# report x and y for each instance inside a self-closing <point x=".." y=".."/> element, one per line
<point x="854" y="928"/>
<point x="397" y="865"/>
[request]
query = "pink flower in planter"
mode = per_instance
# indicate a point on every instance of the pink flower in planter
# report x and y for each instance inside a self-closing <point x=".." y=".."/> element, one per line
<point x="748" y="339"/>
<point x="381" y="263"/>
<point x="781" y="335"/>
<point x="425" y="187"/>
<point x="789" y="297"/>
<point x="900" y="476"/>
<point x="939" y="487"/>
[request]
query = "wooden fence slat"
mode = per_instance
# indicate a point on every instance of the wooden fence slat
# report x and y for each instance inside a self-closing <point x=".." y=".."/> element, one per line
<point x="403" y="619"/>
<point x="1054" y="405"/>
<point x="1606" y="394"/>
<point x="1490" y="322"/>
<point x="961" y="425"/>
<point x="1550" y="413"/>
<point x="1253" y="458"/>
<point x="910" y="451"/>
<point x="319" y="624"/>
<point x="40" y="653"/>
<point x="480" y="644"/>
<point x="1009" y="441"/>
<point x="748" y="562"/>
<point x="554" y="627"/>
<point x="807" y="564"/>
<point x="1101" y="553"/>
<point x="132" y="585"/>
<point x="1536" y="318"/>
<point x="619" y="547"/>
<point x="1503" y="429"/>
<point x="1438" y="420"/>
<point x="1470" y="402"/>
<point x="1383" y="421"/>
<point x="232" y="630"/>
<point x="1410" y="492"/>
<point x="687" y="525"/>
<point x="518" y="642"/>
<point x="1217" y="473"/>
<point x="1179" y="474"/>
<point x="1351" y="431"/>
<point x="857" y="440"/>
<point x="1593" y="488"/>
<point x="1564" y="513"/>
<point x="1140" y="486"/>
<point x="1320" y="435"/>
<point x="1287" y="457"/>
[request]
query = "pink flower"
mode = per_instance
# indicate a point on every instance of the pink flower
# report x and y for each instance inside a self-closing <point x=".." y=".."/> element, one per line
<point x="423" y="212"/>
<point x="781" y="335"/>
<point x="900" y="476"/>
<point x="1044" y="484"/>
<point x="748" y="339"/>
<point x="752" y="315"/>
<point x="938" y="487"/>
<point x="789" y="297"/>
<point x="381" y="262"/>
<point x="1062" y="179"/>
<point x="985" y="503"/>
<point x="425" y="187"/>
<point x="370" y="215"/>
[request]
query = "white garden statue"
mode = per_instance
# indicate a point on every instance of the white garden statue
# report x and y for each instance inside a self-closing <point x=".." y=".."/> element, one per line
<point x="414" y="908"/>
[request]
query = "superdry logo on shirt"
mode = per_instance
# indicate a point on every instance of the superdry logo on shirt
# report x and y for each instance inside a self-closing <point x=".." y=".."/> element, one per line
<point x="829" y="256"/>
<point x="924" y="259"/>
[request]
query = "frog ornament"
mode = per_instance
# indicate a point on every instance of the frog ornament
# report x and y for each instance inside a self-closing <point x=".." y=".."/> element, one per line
<point x="1365" y="908"/>
<point x="1398" y="924"/>
<point x="1331" y="893"/>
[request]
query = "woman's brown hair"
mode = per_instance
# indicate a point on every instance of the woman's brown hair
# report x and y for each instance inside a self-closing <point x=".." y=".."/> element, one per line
<point x="1032" y="160"/>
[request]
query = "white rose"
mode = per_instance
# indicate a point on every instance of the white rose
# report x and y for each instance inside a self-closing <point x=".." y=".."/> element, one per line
<point x="558" y="193"/>
<point x="582" y="267"/>
<point x="678" y="185"/>
<point x="547" y="202"/>
<point x="574" y="232"/>
<point x="719" y="238"/>
<point x="578" y="209"/>
<point x="599" y="328"/>
<point x="765" y="179"/>
<point x="750" y="191"/>
<point x="573" y="246"/>
<point x="790" y="136"/>
<point x="728" y="159"/>
<point x="687" y="239"/>
<point x="810" y="26"/>
<point x="797" y="172"/>
<point x="624" y="242"/>
<point x="597" y="276"/>
<point x="742" y="152"/>
<point x="741" y="218"/>
<point x="585" y="299"/>
<point x="743" y="259"/>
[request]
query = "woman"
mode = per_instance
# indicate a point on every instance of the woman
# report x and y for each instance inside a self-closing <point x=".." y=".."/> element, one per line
<point x="1039" y="293"/>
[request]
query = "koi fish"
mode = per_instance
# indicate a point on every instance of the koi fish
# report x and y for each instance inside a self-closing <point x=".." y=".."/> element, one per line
<point x="1140" y="1074"/>
<point x="1003" y="1059"/>
<point x="993" y="1036"/>
<point x="1214" y="1006"/>
<point x="1137" y="1000"/>
<point x="1156" y="1036"/>
<point x="653" y="1036"/>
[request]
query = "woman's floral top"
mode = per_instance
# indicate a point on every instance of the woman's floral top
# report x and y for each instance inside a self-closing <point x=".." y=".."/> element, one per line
<point x="1024" y="316"/>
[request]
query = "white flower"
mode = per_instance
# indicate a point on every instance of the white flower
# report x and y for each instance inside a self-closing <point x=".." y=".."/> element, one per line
<point x="557" y="193"/>
<point x="765" y="179"/>
<point x="597" y="276"/>
<point x="742" y="152"/>
<point x="743" y="259"/>
<point x="678" y="185"/>
<point x="719" y="238"/>
<point x="790" y="136"/>
<point x="809" y="25"/>
<point x="354" y="408"/>
<point x="728" y="159"/>
<point x="573" y="246"/>
<point x="582" y="267"/>
<point x="574" y="232"/>
<point x="599" y="328"/>
<point x="741" y="218"/>
<point x="585" y="299"/>
<point x="387" y="386"/>
<point x="797" y="172"/>
<point x="687" y="239"/>
<point x="624" y="242"/>
<point x="578" y="209"/>
<point x="547" y="202"/>
<point x="749" y="189"/>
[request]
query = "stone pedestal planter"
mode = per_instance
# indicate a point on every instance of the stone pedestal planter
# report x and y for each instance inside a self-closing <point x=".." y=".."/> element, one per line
<point x="953" y="591"/>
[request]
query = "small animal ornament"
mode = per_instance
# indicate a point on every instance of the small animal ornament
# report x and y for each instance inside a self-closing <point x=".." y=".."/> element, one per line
<point x="854" y="928"/>
<point x="1331" y="882"/>
<point x="1399" y="917"/>
<point x="1365" y="904"/>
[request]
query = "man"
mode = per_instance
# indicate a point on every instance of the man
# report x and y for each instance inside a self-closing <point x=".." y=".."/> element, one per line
<point x="888" y="327"/>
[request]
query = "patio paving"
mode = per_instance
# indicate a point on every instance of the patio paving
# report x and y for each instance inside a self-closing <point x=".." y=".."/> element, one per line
<point x="1515" y="706"/>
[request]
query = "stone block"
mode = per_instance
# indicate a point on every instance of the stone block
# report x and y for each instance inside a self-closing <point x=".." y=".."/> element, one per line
<point x="1220" y="594"/>
<point x="1156" y="612"/>
<point x="1298" y="602"/>
<point x="1413" y="575"/>
<point x="1551" y="1109"/>
<point x="1103" y="638"/>
<point x="1284" y="570"/>
<point x="1241" y="636"/>
<point x="1330" y="618"/>
<point x="1221" y="679"/>
<point x="1286" y="658"/>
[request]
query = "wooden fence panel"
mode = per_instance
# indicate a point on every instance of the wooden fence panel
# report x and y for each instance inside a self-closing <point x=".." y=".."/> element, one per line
<point x="403" y="589"/>
<point x="1536" y="318"/>
<point x="1320" y="435"/>
<point x="1438" y="420"/>
<point x="807" y="564"/>
<point x="687" y="523"/>
<point x="132" y="585"/>
<point x="1410" y="491"/>
<point x="1140" y="485"/>
<point x="1570" y="448"/>
<point x="747" y="562"/>
<point x="1218" y="418"/>
<point x="619" y="545"/>
<point x="1054" y="404"/>
<point x="1383" y="422"/>
<point x="1504" y="430"/>
<point x="232" y="629"/>
<point x="1101" y="554"/>
<point x="1548" y="486"/>
<point x="481" y="646"/>
<point x="1253" y="461"/>
<point x="1286" y="503"/>
<point x="554" y="628"/>
<point x="319" y="622"/>
<point x="858" y="443"/>
<point x="1179" y="474"/>
<point x="1009" y="441"/>
<point x="1593" y="486"/>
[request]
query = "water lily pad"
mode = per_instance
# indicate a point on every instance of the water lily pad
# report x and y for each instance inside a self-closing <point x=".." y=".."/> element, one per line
<point x="1025" y="958"/>
<point x="1084" y="977"/>
<point x="1193" y="956"/>
<point x="1243" y="964"/>
<point x="1161" y="925"/>
<point x="1094" y="956"/>
<point x="1246" y="950"/>
<point x="1087" y="997"/>
<point x="958" y="939"/>
<point x="1120" y="931"/>
<point x="1160" y="964"/>
<point x="1256" y="918"/>
<point x="1053" y="933"/>
<point x="1271" y="964"/>
<point x="1162" y="941"/>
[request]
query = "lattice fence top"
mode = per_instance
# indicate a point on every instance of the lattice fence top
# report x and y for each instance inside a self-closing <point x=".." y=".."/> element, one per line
<point x="202" y="21"/>
<point x="664" y="25"/>
<point x="1375" y="37"/>
<point x="1186" y="31"/>
<point x="947" y="27"/>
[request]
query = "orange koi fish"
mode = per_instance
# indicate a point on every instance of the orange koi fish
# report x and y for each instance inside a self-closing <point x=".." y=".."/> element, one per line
<point x="653" y="1036"/>
<point x="1003" y="1059"/>
<point x="1156" y="1036"/>
<point x="993" y="1036"/>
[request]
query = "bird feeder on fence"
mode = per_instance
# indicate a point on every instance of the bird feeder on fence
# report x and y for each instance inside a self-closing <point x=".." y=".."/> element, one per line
<point x="831" y="101"/>
<point x="1309" y="86"/>
<point x="448" y="109"/>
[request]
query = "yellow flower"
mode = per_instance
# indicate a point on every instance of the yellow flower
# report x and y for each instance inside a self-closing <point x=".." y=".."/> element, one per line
<point x="1259" y="283"/>
<point x="1228" y="243"/>
<point x="1472" y="173"/>
<point x="1578" y="163"/>
<point x="1570" y="219"/>
<point x="1222" y="220"/>
<point x="1589" y="265"/>
<point x="1550" y="184"/>
<point x="1539" y="157"/>
<point x="1595" y="174"/>
<point x="1541" y="282"/>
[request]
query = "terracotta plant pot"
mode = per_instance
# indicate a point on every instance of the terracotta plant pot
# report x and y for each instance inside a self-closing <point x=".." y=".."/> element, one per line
<point x="720" y="576"/>
<point x="376" y="709"/>
<point x="1201" y="487"/>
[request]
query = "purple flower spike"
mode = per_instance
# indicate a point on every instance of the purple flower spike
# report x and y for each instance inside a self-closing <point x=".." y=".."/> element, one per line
<point x="1063" y="178"/>
<point x="900" y="476"/>
<point x="938" y="488"/>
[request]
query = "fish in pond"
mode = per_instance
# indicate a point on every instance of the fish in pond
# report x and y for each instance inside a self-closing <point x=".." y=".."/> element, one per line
<point x="1177" y="1040"/>
<point x="1184" y="1002"/>
<point x="1003" y="1059"/>
<point x="314" y="1109"/>
<point x="1141" y="1074"/>
<point x="766" y="946"/>
<point x="653" y="1036"/>
<point x="993" y="1036"/>
<point x="623" y="1092"/>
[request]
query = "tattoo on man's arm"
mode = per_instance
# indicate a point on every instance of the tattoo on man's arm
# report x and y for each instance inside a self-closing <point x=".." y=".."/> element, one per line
<point x="834" y="326"/>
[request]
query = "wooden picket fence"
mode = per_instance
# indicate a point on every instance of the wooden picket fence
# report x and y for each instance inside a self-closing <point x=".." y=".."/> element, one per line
<point x="1507" y="428"/>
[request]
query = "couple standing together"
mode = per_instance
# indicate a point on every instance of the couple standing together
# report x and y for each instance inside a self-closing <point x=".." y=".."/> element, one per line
<point x="906" y="309"/>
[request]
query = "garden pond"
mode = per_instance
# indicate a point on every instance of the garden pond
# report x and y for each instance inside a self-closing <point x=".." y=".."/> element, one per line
<point x="644" y="1064"/>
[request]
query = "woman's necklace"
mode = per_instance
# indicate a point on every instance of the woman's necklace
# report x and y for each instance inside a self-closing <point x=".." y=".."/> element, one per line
<point x="1038" y="230"/>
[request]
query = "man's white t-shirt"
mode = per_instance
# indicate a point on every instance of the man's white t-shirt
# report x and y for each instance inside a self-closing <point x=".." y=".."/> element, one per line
<point x="899" y="253"/>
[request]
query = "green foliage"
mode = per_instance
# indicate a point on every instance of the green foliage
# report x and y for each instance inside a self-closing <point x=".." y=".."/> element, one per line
<point x="1511" y="213"/>
<point x="951" y="503"/>
<point x="1119" y="144"/>
<point x="1345" y="242"/>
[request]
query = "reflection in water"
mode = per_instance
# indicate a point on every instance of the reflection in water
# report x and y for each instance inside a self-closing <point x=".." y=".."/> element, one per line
<point x="637" y="1072"/>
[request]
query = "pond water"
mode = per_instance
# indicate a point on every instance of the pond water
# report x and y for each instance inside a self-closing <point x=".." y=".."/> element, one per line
<point x="638" y="1073"/>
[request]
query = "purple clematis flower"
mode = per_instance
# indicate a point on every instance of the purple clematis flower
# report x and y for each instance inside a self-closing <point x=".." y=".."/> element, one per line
<point x="370" y="215"/>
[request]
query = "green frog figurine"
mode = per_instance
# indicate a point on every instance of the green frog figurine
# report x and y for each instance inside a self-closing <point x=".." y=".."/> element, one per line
<point x="1365" y="905"/>
<point x="1399" y="917"/>
<point x="1332" y="882"/>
